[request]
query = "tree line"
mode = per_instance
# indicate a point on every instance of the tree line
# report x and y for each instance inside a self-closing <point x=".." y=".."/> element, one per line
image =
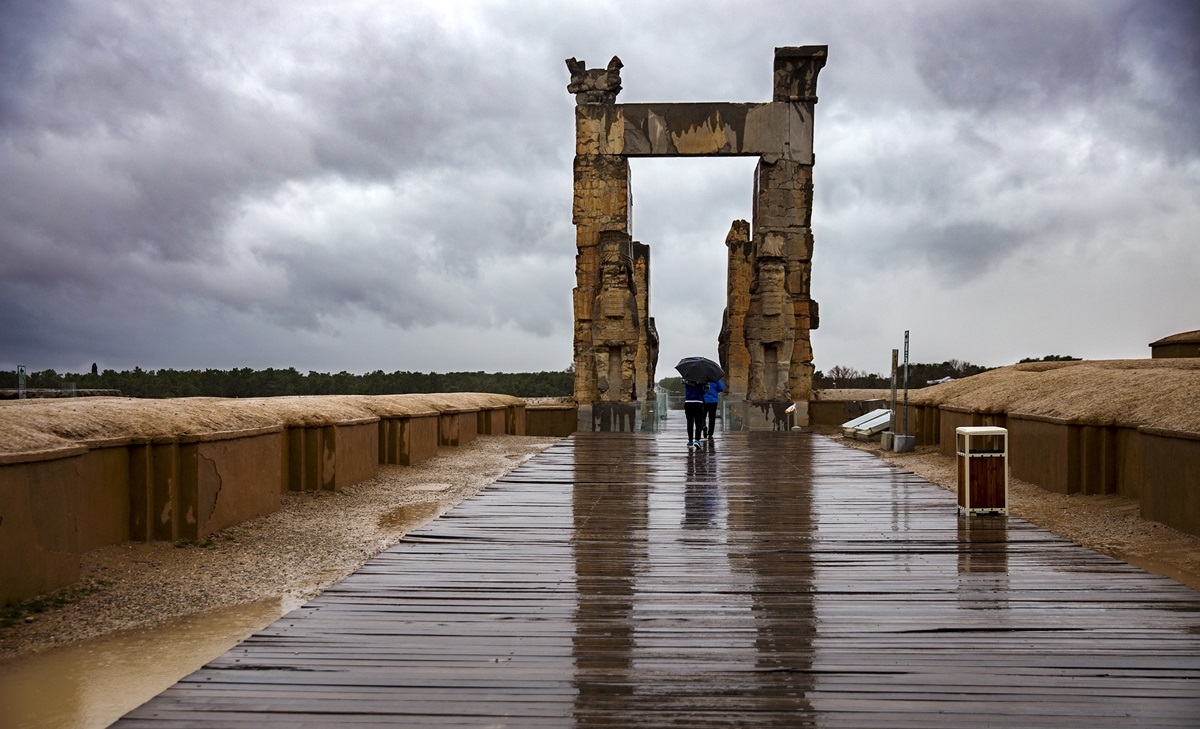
<point x="841" y="377"/>
<point x="920" y="374"/>
<point x="245" y="382"/>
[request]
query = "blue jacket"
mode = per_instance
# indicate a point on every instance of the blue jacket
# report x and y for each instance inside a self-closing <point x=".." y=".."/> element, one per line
<point x="693" y="392"/>
<point x="713" y="392"/>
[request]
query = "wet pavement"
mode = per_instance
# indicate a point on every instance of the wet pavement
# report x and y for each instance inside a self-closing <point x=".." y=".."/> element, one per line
<point x="768" y="579"/>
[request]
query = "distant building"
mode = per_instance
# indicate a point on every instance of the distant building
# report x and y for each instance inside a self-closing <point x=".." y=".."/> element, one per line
<point x="1184" y="344"/>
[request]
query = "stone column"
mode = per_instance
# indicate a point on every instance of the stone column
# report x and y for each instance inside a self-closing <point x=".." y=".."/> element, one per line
<point x="782" y="219"/>
<point x="647" y="353"/>
<point x="731" y="346"/>
<point x="601" y="204"/>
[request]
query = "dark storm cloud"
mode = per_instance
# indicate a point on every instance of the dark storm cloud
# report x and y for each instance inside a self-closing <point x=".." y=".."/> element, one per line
<point x="283" y="178"/>
<point x="383" y="102"/>
<point x="1166" y="33"/>
<point x="22" y="24"/>
<point x="1025" y="59"/>
<point x="143" y="138"/>
<point x="995" y="56"/>
<point x="963" y="251"/>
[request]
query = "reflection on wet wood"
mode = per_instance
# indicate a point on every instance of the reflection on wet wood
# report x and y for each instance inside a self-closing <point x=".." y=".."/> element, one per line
<point x="774" y="579"/>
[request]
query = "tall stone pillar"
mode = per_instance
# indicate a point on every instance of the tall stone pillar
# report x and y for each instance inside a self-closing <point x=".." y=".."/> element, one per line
<point x="647" y="352"/>
<point x="616" y="346"/>
<point x="782" y="230"/>
<point x="782" y="246"/>
<point x="731" y="344"/>
<point x="601" y="205"/>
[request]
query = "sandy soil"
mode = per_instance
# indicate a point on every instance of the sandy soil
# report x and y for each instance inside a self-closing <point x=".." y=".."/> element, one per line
<point x="315" y="540"/>
<point x="1111" y="525"/>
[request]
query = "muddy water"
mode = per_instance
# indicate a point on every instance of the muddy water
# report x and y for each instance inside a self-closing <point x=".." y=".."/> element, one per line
<point x="1150" y="564"/>
<point x="93" y="683"/>
<point x="408" y="517"/>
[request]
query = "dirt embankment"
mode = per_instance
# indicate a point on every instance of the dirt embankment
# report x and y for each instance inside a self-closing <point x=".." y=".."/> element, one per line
<point x="1129" y="393"/>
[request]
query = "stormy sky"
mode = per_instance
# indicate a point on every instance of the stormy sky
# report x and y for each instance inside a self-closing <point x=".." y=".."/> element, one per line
<point x="357" y="186"/>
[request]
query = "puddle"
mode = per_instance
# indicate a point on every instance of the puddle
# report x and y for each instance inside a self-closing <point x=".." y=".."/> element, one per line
<point x="95" y="682"/>
<point x="1163" y="568"/>
<point x="408" y="517"/>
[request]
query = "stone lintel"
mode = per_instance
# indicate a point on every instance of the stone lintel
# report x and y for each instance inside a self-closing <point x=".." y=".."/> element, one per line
<point x="771" y="130"/>
<point x="796" y="69"/>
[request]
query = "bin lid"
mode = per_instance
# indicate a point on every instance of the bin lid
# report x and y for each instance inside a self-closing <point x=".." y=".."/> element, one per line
<point x="981" y="430"/>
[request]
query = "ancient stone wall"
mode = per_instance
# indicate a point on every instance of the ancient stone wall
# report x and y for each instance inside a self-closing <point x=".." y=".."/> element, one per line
<point x="764" y="339"/>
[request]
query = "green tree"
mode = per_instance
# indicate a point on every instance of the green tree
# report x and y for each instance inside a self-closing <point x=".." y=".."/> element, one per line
<point x="1051" y="358"/>
<point x="673" y="385"/>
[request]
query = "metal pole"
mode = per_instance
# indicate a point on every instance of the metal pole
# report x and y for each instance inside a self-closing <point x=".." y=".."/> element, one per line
<point x="905" y="382"/>
<point x="895" y="368"/>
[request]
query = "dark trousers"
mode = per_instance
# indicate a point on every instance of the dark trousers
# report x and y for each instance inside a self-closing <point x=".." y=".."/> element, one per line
<point x="710" y="409"/>
<point x="695" y="419"/>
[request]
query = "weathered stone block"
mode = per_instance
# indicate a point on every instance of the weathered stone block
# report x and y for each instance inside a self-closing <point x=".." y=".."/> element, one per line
<point x="796" y="70"/>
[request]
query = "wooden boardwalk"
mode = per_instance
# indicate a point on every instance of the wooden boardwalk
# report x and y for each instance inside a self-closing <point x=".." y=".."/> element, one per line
<point x="776" y="579"/>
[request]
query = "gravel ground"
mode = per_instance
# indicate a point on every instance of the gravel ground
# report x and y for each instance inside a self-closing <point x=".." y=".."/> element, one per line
<point x="1111" y="525"/>
<point x="315" y="540"/>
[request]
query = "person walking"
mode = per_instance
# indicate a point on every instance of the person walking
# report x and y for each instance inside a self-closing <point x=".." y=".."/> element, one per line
<point x="712" y="395"/>
<point x="693" y="409"/>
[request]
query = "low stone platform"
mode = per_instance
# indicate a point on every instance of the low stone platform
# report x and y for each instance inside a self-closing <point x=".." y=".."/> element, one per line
<point x="770" y="579"/>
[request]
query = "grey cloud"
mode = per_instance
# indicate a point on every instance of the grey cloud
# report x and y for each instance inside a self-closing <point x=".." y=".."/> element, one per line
<point x="960" y="252"/>
<point x="274" y="176"/>
<point x="1166" y="33"/>
<point x="23" y="23"/>
<point x="1023" y="61"/>
<point x="175" y="156"/>
<point x="992" y="56"/>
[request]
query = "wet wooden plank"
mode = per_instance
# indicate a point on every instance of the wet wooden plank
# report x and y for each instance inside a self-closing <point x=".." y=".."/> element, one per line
<point x="776" y="579"/>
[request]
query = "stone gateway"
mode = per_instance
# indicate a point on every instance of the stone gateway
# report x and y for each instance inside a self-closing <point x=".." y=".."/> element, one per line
<point x="764" y="342"/>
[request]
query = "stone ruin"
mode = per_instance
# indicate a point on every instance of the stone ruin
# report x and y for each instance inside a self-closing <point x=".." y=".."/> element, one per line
<point x="764" y="342"/>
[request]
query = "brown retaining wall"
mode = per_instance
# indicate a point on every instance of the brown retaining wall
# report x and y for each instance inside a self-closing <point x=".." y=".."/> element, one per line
<point x="331" y="457"/>
<point x="56" y="504"/>
<point x="1171" y="478"/>
<point x="41" y="502"/>
<point x="923" y="423"/>
<point x="950" y="419"/>
<point x="491" y="422"/>
<point x="457" y="428"/>
<point x="405" y="441"/>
